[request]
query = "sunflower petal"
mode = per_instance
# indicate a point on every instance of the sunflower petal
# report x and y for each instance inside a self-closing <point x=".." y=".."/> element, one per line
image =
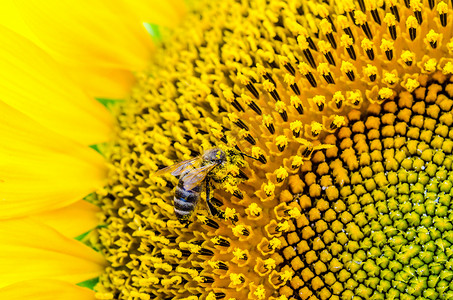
<point x="41" y="170"/>
<point x="162" y="13"/>
<point x="88" y="34"/>
<point x="106" y="82"/>
<point x="11" y="18"/>
<point x="31" y="250"/>
<point x="90" y="38"/>
<point x="72" y="220"/>
<point x="31" y="82"/>
<point x="98" y="39"/>
<point x="46" y="290"/>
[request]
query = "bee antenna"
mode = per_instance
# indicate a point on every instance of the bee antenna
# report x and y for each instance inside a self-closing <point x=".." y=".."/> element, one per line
<point x="243" y="154"/>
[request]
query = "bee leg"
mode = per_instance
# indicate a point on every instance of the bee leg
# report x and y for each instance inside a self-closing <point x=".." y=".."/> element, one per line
<point x="222" y="180"/>
<point x="212" y="210"/>
<point x="186" y="223"/>
<point x="217" y="180"/>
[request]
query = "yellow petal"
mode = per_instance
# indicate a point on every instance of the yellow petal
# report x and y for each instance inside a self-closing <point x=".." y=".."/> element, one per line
<point x="41" y="170"/>
<point x="89" y="33"/>
<point x="11" y="18"/>
<point x="31" y="82"/>
<point x="72" y="220"/>
<point x="164" y="13"/>
<point x="31" y="250"/>
<point x="45" y="289"/>
<point x="98" y="42"/>
<point x="103" y="82"/>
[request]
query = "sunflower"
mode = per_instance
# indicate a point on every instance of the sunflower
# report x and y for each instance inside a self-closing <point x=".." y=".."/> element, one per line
<point x="55" y="59"/>
<point x="345" y="109"/>
<point x="335" y="118"/>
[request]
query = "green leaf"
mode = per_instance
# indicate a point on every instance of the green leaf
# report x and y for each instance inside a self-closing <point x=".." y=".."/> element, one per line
<point x="90" y="283"/>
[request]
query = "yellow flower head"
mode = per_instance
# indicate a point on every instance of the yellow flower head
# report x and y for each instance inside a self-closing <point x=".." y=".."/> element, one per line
<point x="335" y="121"/>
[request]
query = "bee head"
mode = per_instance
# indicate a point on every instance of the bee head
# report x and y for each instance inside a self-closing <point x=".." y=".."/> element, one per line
<point x="215" y="155"/>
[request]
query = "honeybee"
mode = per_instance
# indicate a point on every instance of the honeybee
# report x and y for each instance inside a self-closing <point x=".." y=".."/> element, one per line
<point x="192" y="173"/>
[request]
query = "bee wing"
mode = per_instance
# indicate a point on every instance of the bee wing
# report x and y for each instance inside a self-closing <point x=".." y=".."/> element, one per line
<point x="196" y="177"/>
<point x="180" y="168"/>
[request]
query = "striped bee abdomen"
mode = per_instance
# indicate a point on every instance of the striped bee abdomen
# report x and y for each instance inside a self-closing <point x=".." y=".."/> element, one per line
<point x="185" y="201"/>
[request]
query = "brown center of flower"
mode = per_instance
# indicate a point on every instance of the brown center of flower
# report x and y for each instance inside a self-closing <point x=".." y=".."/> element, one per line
<point x="376" y="209"/>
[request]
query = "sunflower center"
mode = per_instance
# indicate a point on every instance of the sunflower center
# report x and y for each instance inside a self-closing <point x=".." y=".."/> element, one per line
<point x="348" y="117"/>
<point x="377" y="213"/>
